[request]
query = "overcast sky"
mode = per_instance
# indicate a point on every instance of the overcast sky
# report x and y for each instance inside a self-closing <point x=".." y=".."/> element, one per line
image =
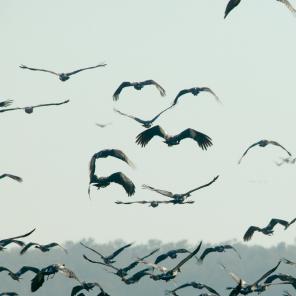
<point x="247" y="59"/>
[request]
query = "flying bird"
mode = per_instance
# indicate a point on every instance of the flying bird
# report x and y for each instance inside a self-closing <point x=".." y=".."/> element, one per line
<point x="195" y="91"/>
<point x="136" y="277"/>
<point x="194" y="285"/>
<point x="264" y="143"/>
<point x="233" y="3"/>
<point x="108" y="259"/>
<point x="145" y="123"/>
<point x="178" y="197"/>
<point x="137" y="86"/>
<point x="7" y="241"/>
<point x="220" y="249"/>
<point x="13" y="177"/>
<point x="172" y="273"/>
<point x="203" y="141"/>
<point x="118" y="177"/>
<point x="283" y="277"/>
<point x="88" y="287"/>
<point x="42" y="248"/>
<point x="267" y="230"/>
<point x="30" y="109"/>
<point x="63" y="76"/>
<point x="170" y="254"/>
<point x="154" y="203"/>
<point x="5" y="103"/>
<point x="102" y="125"/>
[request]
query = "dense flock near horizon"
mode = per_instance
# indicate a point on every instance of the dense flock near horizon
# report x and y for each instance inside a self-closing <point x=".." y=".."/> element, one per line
<point x="155" y="268"/>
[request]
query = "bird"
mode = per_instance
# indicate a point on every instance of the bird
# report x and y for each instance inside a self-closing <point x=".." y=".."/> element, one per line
<point x="63" y="76"/>
<point x="13" y="177"/>
<point x="170" y="254"/>
<point x="195" y="91"/>
<point x="123" y="271"/>
<point x="88" y="286"/>
<point x="5" y="103"/>
<point x="145" y="123"/>
<point x="283" y="277"/>
<point x="102" y="125"/>
<point x="42" y="248"/>
<point x="194" y="285"/>
<point x="172" y="273"/>
<point x="30" y="109"/>
<point x="203" y="141"/>
<point x="233" y="3"/>
<point x="246" y="288"/>
<point x="135" y="277"/>
<point x="263" y="143"/>
<point x="267" y="230"/>
<point x="7" y="241"/>
<point x="137" y="86"/>
<point x="221" y="248"/>
<point x="13" y="275"/>
<point x="108" y="259"/>
<point x="178" y="197"/>
<point x="119" y="178"/>
<point x="154" y="203"/>
<point x="52" y="269"/>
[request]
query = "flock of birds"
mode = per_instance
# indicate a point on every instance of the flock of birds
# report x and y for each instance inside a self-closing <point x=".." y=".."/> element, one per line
<point x="152" y="269"/>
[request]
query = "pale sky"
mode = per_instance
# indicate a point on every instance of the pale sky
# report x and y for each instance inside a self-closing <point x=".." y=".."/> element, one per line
<point x="247" y="59"/>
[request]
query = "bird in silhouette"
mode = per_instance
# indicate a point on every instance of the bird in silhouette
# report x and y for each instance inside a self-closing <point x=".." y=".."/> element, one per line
<point x="51" y="270"/>
<point x="13" y="177"/>
<point x="194" y="285"/>
<point x="154" y="203"/>
<point x="30" y="109"/>
<point x="172" y="273"/>
<point x="178" y="197"/>
<point x="173" y="254"/>
<point x="145" y="123"/>
<point x="137" y="86"/>
<point x="135" y="277"/>
<point x="5" y="103"/>
<point x="123" y="271"/>
<point x="267" y="230"/>
<point x="233" y="3"/>
<point x="88" y="286"/>
<point x="42" y="248"/>
<point x="108" y="259"/>
<point x="220" y="249"/>
<point x="7" y="241"/>
<point x="263" y="143"/>
<point x="203" y="141"/>
<point x="63" y="76"/>
<point x="118" y="177"/>
<point x="195" y="91"/>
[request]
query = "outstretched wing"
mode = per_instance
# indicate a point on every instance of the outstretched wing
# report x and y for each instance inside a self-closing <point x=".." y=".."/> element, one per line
<point x="235" y="277"/>
<point x="76" y="289"/>
<point x="6" y="103"/>
<point x="158" y="86"/>
<point x="288" y="5"/>
<point x="35" y="69"/>
<point x="87" y="68"/>
<point x="120" y="88"/>
<point x="266" y="274"/>
<point x="275" y="221"/>
<point x="205" y="253"/>
<point x="51" y="104"/>
<point x="161" y="258"/>
<point x="231" y="5"/>
<point x="279" y="145"/>
<point x="114" y="153"/>
<point x="27" y="246"/>
<point x="101" y="263"/>
<point x="253" y="145"/>
<point x="163" y="192"/>
<point x="16" y="178"/>
<point x="249" y="233"/>
<point x="181" y="93"/>
<point x="89" y="248"/>
<point x="24" y="269"/>
<point x="202" y="140"/>
<point x="181" y="287"/>
<point x="117" y="252"/>
<point x="207" y="89"/>
<point x="124" y="181"/>
<point x="178" y="266"/>
<point x="20" y="236"/>
<point x="37" y="281"/>
<point x="54" y="244"/>
<point x="144" y="137"/>
<point x="132" y="202"/>
<point x="130" y="116"/>
<point x="200" y="187"/>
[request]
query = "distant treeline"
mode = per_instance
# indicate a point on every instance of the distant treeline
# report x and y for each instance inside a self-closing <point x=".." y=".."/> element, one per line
<point x="255" y="261"/>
